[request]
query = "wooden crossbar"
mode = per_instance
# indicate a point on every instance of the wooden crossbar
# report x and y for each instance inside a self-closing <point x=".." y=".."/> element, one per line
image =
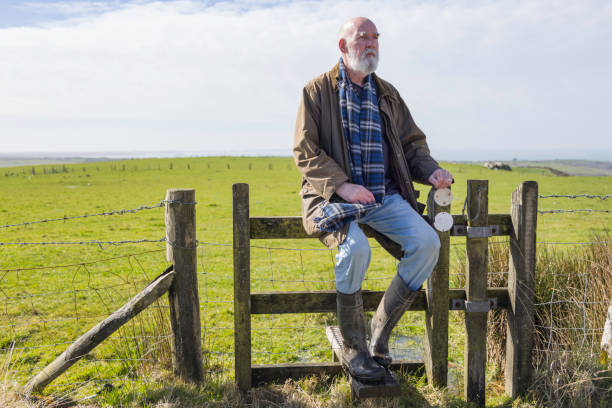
<point x="325" y="301"/>
<point x="291" y="227"/>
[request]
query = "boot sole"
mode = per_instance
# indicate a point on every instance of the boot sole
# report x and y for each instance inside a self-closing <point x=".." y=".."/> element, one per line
<point x="369" y="380"/>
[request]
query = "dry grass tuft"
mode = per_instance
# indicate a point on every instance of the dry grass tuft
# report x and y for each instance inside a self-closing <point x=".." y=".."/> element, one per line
<point x="572" y="294"/>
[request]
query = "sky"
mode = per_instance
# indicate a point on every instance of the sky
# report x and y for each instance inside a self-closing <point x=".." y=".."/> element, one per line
<point x="483" y="79"/>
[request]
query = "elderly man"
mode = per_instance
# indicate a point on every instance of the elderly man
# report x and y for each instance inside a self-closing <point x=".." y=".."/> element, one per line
<point x="359" y="151"/>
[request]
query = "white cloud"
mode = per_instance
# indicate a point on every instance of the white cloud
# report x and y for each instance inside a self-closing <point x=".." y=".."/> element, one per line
<point x="193" y="75"/>
<point x="70" y="8"/>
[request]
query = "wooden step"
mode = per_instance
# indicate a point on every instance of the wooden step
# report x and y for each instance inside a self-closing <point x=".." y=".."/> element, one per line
<point x="388" y="387"/>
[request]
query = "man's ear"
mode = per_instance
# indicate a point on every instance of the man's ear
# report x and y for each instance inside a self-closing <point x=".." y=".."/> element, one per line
<point x="342" y="45"/>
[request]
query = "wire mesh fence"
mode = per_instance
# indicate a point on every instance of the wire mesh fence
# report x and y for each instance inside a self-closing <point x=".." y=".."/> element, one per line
<point x="44" y="309"/>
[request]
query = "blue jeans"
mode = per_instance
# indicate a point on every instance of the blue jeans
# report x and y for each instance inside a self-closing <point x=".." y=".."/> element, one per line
<point x="396" y="219"/>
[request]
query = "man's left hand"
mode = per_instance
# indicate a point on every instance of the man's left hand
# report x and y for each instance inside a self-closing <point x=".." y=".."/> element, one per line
<point x="441" y="178"/>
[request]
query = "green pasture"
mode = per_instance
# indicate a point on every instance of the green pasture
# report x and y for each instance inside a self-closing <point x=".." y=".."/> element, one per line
<point x="50" y="294"/>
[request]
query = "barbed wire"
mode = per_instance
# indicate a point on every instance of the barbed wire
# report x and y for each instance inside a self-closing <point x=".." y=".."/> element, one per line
<point x="602" y="197"/>
<point x="101" y="243"/>
<point x="98" y="242"/>
<point x="572" y="211"/>
<point x="104" y="213"/>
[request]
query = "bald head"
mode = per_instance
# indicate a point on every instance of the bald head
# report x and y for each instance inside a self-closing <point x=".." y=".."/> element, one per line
<point x="358" y="44"/>
<point x="350" y="27"/>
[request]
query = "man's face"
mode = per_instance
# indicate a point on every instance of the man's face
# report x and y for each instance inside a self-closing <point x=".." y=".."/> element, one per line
<point x="362" y="48"/>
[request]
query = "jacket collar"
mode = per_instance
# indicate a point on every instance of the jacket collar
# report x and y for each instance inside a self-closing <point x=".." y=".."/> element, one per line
<point x="334" y="75"/>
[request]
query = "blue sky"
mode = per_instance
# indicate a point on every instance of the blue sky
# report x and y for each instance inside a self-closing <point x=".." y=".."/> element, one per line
<point x="507" y="78"/>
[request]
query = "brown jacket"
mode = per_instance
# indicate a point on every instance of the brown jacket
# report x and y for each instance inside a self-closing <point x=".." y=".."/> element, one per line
<point x="321" y="153"/>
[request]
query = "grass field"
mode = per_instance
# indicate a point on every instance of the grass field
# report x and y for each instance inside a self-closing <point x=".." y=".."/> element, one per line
<point x="42" y="310"/>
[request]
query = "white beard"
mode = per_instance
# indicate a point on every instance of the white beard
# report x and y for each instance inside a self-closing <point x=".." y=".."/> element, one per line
<point x="363" y="63"/>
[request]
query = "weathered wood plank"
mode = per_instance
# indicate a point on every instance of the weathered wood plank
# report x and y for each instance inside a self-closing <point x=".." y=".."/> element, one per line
<point x="436" y="313"/>
<point x="268" y="373"/>
<point x="276" y="227"/>
<point x="100" y="332"/>
<point x="181" y="250"/>
<point x="242" y="287"/>
<point x="325" y="301"/>
<point x="521" y="281"/>
<point x="476" y="291"/>
<point x="291" y="227"/>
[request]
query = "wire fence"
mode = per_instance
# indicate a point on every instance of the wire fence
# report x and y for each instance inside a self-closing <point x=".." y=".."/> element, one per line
<point x="601" y="197"/>
<point x="572" y="295"/>
<point x="44" y="308"/>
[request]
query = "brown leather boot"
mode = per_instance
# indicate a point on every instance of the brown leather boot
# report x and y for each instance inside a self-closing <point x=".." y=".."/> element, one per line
<point x="355" y="356"/>
<point x="397" y="298"/>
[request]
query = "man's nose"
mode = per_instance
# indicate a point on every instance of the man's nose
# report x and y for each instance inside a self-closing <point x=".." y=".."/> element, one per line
<point x="371" y="41"/>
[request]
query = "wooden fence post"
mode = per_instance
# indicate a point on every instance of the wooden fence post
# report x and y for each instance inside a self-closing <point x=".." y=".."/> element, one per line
<point x="242" y="286"/>
<point x="436" y="315"/>
<point x="181" y="250"/>
<point x="521" y="286"/>
<point x="475" y="354"/>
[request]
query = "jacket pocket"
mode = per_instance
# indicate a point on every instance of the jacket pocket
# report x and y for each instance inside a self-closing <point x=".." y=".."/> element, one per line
<point x="311" y="209"/>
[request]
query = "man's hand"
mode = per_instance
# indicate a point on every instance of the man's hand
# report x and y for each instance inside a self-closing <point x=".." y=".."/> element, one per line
<point x="355" y="193"/>
<point x="441" y="178"/>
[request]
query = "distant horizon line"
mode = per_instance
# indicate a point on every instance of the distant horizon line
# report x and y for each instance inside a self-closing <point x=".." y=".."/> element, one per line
<point x="604" y="155"/>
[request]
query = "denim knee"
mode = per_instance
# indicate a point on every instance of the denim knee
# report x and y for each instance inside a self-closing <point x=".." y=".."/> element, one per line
<point x="428" y="241"/>
<point x="431" y="241"/>
<point x="358" y="248"/>
<point x="353" y="260"/>
<point x="418" y="262"/>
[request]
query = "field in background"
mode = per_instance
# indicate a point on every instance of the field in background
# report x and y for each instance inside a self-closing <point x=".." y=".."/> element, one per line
<point x="44" y="309"/>
<point x="569" y="167"/>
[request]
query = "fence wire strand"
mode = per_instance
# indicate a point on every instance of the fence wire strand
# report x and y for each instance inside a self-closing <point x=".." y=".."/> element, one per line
<point x="101" y="214"/>
<point x="601" y="197"/>
<point x="573" y="211"/>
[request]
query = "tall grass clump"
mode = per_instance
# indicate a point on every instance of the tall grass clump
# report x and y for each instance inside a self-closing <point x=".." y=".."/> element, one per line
<point x="573" y="288"/>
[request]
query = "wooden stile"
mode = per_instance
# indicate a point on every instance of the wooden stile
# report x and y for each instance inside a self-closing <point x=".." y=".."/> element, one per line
<point x="436" y="311"/>
<point x="436" y="300"/>
<point x="242" y="287"/>
<point x="476" y="291"/>
<point x="181" y="250"/>
<point x="521" y="286"/>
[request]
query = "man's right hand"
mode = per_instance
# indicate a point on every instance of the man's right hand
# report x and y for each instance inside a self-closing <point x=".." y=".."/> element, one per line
<point x="355" y="193"/>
